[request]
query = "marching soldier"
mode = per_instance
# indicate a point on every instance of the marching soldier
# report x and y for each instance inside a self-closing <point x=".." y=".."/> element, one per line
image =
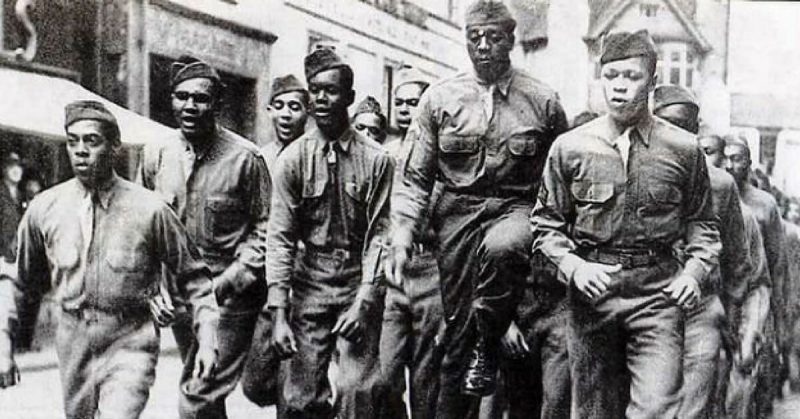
<point x="484" y="134"/>
<point x="707" y="329"/>
<point x="220" y="187"/>
<point x="100" y="242"/>
<point x="412" y="319"/>
<point x="765" y="208"/>
<point x="288" y="107"/>
<point x="332" y="188"/>
<point x="617" y="193"/>
<point x="369" y="120"/>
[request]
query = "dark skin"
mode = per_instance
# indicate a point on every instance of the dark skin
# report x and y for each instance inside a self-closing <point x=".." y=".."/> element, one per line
<point x="489" y="47"/>
<point x="329" y="101"/>
<point x="194" y="105"/>
<point x="682" y="115"/>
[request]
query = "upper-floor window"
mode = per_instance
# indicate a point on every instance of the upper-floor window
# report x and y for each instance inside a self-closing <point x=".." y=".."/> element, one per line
<point x="677" y="64"/>
<point x="649" y="9"/>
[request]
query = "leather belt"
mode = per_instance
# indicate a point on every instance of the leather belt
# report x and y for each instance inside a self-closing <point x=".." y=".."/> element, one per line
<point x="628" y="258"/>
<point x="490" y="193"/>
<point x="338" y="252"/>
<point x="90" y="313"/>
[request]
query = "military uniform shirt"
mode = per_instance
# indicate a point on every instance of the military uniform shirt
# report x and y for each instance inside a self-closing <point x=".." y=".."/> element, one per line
<point x="588" y="200"/>
<point x="328" y="195"/>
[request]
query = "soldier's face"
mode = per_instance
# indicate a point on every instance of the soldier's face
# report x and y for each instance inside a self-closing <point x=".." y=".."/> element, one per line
<point x="90" y="151"/>
<point x="193" y="104"/>
<point x="370" y="125"/>
<point x="489" y="46"/>
<point x="13" y="173"/>
<point x="329" y="98"/>
<point x="793" y="212"/>
<point x="681" y="115"/>
<point x="626" y="85"/>
<point x="737" y="162"/>
<point x="289" y="113"/>
<point x="406" y="99"/>
<point x="714" y="151"/>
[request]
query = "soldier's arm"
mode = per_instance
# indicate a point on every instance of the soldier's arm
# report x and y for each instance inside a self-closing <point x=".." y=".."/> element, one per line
<point x="378" y="225"/>
<point x="557" y="119"/>
<point x="702" y="226"/>
<point x="552" y="215"/>
<point x="282" y="229"/>
<point x="734" y="260"/>
<point x="181" y="256"/>
<point x="410" y="200"/>
<point x="775" y="247"/>
<point x="250" y="253"/>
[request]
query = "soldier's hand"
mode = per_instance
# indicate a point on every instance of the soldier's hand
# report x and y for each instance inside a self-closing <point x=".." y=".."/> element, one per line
<point x="9" y="373"/>
<point x="592" y="279"/>
<point x="684" y="291"/>
<point x="162" y="311"/>
<point x="400" y="253"/>
<point x="205" y="362"/>
<point x="282" y="336"/>
<point x="513" y="342"/>
<point x="747" y="353"/>
<point x="350" y="324"/>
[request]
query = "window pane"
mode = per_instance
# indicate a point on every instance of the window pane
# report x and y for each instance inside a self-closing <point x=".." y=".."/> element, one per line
<point x="689" y="57"/>
<point x="689" y="77"/>
<point x="675" y="76"/>
<point x="675" y="56"/>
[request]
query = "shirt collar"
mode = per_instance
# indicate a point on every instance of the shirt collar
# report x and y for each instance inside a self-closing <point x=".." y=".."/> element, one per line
<point x="644" y="127"/>
<point x="205" y="149"/>
<point x="343" y="142"/>
<point x="104" y="192"/>
<point x="503" y="83"/>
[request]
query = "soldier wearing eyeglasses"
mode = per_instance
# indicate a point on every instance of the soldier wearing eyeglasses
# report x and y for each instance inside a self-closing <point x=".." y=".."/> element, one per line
<point x="484" y="134"/>
<point x="219" y="185"/>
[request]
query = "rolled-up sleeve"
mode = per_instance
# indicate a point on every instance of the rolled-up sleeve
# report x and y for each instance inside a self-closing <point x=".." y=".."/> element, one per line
<point x="192" y="275"/>
<point x="702" y="226"/>
<point x="410" y="200"/>
<point x="553" y="214"/>
<point x="282" y="232"/>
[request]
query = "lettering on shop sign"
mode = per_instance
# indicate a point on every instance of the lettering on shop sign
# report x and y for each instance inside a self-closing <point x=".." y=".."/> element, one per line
<point x="378" y="25"/>
<point x="171" y="35"/>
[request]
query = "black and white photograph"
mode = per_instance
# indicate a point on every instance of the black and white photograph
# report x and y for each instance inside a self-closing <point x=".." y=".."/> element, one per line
<point x="399" y="209"/>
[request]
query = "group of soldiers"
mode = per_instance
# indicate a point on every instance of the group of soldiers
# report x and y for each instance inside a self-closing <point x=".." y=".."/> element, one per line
<point x="500" y="260"/>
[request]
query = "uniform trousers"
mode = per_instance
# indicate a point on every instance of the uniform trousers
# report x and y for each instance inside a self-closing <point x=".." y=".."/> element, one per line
<point x="260" y="376"/>
<point x="702" y="345"/>
<point x="410" y="338"/>
<point x="107" y="363"/>
<point x="626" y="347"/>
<point x="307" y="392"/>
<point x="484" y="246"/>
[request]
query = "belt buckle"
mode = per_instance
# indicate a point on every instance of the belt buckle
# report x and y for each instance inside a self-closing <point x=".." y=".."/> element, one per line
<point x="626" y="260"/>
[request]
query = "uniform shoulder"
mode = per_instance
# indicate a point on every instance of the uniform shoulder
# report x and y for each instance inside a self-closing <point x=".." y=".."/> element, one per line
<point x="237" y="142"/>
<point x="140" y="197"/>
<point x="445" y="84"/>
<point x="673" y="134"/>
<point x="576" y="137"/>
<point x="372" y="147"/>
<point x="531" y="84"/>
<point x="47" y="196"/>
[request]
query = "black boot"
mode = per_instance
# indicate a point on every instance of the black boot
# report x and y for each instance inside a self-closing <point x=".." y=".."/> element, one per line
<point x="480" y="378"/>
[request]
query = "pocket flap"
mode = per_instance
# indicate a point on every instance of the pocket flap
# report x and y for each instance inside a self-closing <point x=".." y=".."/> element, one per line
<point x="665" y="194"/>
<point x="595" y="192"/>
<point x="458" y="144"/>
<point x="522" y="145"/>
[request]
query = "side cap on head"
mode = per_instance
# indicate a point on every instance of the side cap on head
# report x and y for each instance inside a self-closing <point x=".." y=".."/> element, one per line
<point x="286" y="84"/>
<point x="483" y="12"/>
<point x="668" y="94"/>
<point x="368" y="105"/>
<point x="90" y="109"/>
<point x="623" y="45"/>
<point x="187" y="67"/>
<point x="321" y="60"/>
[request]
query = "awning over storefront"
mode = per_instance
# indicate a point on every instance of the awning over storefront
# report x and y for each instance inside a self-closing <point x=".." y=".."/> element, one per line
<point x="33" y="104"/>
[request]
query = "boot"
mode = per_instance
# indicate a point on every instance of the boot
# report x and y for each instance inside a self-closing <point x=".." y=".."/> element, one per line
<point x="480" y="378"/>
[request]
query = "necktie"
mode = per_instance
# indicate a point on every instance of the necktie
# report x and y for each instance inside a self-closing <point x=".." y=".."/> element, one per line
<point x="488" y="102"/>
<point x="623" y="145"/>
<point x="188" y="162"/>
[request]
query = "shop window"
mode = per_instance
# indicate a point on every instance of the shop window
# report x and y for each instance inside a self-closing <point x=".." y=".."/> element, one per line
<point x="238" y="101"/>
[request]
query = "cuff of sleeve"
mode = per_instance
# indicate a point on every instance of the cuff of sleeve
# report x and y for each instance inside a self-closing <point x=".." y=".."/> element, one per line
<point x="366" y="292"/>
<point x="695" y="269"/>
<point x="277" y="297"/>
<point x="207" y="332"/>
<point x="569" y="264"/>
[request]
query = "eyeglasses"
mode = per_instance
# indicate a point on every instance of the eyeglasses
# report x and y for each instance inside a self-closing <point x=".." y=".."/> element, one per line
<point x="199" y="98"/>
<point x="410" y="102"/>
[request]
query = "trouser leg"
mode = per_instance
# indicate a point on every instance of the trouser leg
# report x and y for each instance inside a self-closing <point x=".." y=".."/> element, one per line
<point x="394" y="355"/>
<point x="202" y="399"/>
<point x="702" y="346"/>
<point x="260" y="375"/>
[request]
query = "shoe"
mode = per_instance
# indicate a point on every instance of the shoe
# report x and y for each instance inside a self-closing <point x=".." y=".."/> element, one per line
<point x="480" y="379"/>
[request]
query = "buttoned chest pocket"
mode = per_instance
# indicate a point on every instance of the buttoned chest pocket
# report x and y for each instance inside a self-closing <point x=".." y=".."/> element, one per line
<point x="223" y="216"/>
<point x="356" y="205"/>
<point x="460" y="158"/>
<point x="662" y="198"/>
<point x="594" y="212"/>
<point x="313" y="204"/>
<point x="128" y="260"/>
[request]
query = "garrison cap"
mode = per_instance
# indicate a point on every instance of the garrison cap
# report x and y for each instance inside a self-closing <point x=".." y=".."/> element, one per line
<point x="187" y="67"/>
<point x="408" y="75"/>
<point x="369" y="105"/>
<point x="90" y="109"/>
<point x="668" y="94"/>
<point x="286" y="84"/>
<point x="482" y="12"/>
<point x="623" y="45"/>
<point x="734" y="139"/>
<point x="320" y="60"/>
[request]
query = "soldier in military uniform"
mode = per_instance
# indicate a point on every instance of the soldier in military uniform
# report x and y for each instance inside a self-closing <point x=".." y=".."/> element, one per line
<point x="765" y="208"/>
<point x="332" y="188"/>
<point x="219" y="185"/>
<point x="369" y="120"/>
<point x="617" y="193"/>
<point x="484" y="134"/>
<point x="708" y="325"/>
<point x="100" y="242"/>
